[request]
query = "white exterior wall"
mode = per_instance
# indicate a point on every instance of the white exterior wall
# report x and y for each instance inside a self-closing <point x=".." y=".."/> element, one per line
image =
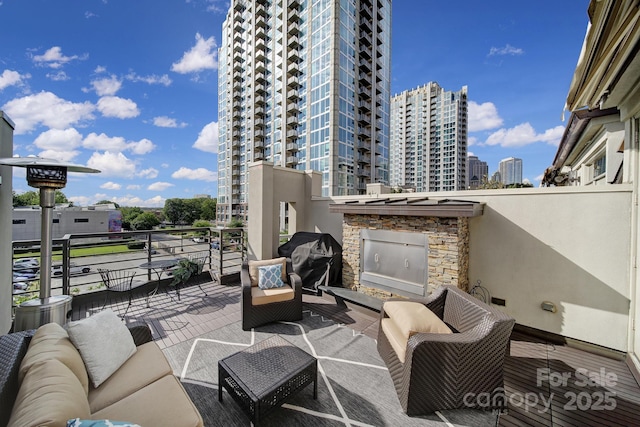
<point x="97" y="222"/>
<point x="6" y="202"/>
<point x="535" y="245"/>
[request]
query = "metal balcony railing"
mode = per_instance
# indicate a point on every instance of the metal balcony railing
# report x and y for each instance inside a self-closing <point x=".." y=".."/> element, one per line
<point x="76" y="258"/>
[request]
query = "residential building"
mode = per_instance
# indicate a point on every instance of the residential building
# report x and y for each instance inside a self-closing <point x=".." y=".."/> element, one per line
<point x="510" y="171"/>
<point x="591" y="151"/>
<point x="66" y="220"/>
<point x="429" y="139"/>
<point x="477" y="172"/>
<point x="303" y="85"/>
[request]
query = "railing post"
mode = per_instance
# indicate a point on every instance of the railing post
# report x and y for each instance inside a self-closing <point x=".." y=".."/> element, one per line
<point x="66" y="261"/>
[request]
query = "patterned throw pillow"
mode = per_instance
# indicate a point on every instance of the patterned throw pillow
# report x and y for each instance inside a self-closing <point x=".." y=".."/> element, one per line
<point x="270" y="276"/>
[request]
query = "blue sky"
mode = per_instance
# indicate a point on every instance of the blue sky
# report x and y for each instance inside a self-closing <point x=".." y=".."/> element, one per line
<point x="130" y="87"/>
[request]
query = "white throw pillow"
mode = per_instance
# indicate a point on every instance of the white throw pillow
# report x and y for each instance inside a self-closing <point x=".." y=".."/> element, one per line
<point x="104" y="343"/>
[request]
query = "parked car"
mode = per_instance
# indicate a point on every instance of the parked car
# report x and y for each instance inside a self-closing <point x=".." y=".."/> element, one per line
<point x="26" y="265"/>
<point x="198" y="239"/>
<point x="215" y="244"/>
<point x="56" y="270"/>
<point x="24" y="276"/>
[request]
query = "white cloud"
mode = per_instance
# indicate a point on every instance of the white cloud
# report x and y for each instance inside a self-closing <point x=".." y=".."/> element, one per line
<point x="113" y="164"/>
<point x="121" y="108"/>
<point x="203" y="56"/>
<point x="58" y="139"/>
<point x="133" y="187"/>
<point x="53" y="58"/>
<point x="111" y="186"/>
<point x="61" y="155"/>
<point x="12" y="78"/>
<point x="524" y="134"/>
<point x="200" y="174"/>
<point x="507" y="50"/>
<point x="472" y="140"/>
<point x="159" y="186"/>
<point x="100" y="69"/>
<point x="58" y="76"/>
<point x="128" y="200"/>
<point x="483" y="116"/>
<point x="80" y="200"/>
<point x="141" y="147"/>
<point x="213" y="7"/>
<point x="107" y="86"/>
<point x="151" y="79"/>
<point x="46" y="109"/>
<point x="208" y="138"/>
<point x="102" y="142"/>
<point x="167" y="122"/>
<point x="150" y="173"/>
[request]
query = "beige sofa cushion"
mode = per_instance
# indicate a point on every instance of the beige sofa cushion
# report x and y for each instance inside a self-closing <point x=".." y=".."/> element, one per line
<point x="254" y="272"/>
<point x="268" y="296"/>
<point x="50" y="395"/>
<point x="174" y="408"/>
<point x="51" y="341"/>
<point x="407" y="318"/>
<point x="147" y="365"/>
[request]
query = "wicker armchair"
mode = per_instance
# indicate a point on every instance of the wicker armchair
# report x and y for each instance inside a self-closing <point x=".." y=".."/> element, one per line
<point x="279" y="307"/>
<point x="448" y="371"/>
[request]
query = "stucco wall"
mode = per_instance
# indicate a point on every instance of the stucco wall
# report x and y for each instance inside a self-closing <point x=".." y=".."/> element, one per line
<point x="6" y="251"/>
<point x="569" y="246"/>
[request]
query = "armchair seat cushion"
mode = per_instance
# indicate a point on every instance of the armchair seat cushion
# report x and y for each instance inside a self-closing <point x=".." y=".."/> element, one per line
<point x="268" y="296"/>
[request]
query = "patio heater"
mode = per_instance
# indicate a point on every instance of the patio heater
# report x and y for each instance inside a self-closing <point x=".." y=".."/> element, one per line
<point x="48" y="175"/>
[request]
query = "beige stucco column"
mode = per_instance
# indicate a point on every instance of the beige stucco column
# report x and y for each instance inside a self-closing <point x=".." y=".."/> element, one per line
<point x="6" y="206"/>
<point x="270" y="185"/>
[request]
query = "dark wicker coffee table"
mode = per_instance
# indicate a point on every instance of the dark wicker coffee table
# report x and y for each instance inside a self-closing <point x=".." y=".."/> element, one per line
<point x="261" y="377"/>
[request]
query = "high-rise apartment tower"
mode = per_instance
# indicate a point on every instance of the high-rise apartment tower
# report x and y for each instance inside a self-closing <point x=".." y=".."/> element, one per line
<point x="477" y="172"/>
<point x="304" y="84"/>
<point x="429" y="139"/>
<point x="511" y="171"/>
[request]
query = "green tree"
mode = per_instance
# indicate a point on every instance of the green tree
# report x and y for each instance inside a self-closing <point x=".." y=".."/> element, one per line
<point x="32" y="198"/>
<point x="235" y="222"/>
<point x="145" y="221"/>
<point x="208" y="209"/>
<point x="129" y="214"/>
<point x="174" y="210"/>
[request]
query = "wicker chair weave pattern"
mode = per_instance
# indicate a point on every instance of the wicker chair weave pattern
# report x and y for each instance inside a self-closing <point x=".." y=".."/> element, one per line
<point x="441" y="369"/>
<point x="13" y="347"/>
<point x="258" y="315"/>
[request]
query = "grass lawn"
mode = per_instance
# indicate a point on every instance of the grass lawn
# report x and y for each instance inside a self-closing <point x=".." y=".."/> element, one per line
<point x="84" y="252"/>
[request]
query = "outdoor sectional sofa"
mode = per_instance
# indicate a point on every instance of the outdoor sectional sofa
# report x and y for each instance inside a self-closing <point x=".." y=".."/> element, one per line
<point x="44" y="382"/>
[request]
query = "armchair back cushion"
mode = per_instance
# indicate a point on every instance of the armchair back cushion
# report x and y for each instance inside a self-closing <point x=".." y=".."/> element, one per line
<point x="254" y="272"/>
<point x="50" y="395"/>
<point x="51" y="341"/>
<point x="407" y="318"/>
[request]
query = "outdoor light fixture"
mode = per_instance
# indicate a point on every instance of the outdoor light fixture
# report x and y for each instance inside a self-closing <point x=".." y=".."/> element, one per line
<point x="48" y="175"/>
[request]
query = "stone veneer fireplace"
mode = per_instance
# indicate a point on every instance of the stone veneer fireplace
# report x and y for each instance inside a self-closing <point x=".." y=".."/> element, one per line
<point x="443" y="226"/>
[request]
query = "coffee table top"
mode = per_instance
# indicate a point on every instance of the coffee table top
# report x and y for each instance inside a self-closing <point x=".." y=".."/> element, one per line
<point x="266" y="363"/>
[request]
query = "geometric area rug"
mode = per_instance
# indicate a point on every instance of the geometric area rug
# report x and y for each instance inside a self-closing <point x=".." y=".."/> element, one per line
<point x="354" y="386"/>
